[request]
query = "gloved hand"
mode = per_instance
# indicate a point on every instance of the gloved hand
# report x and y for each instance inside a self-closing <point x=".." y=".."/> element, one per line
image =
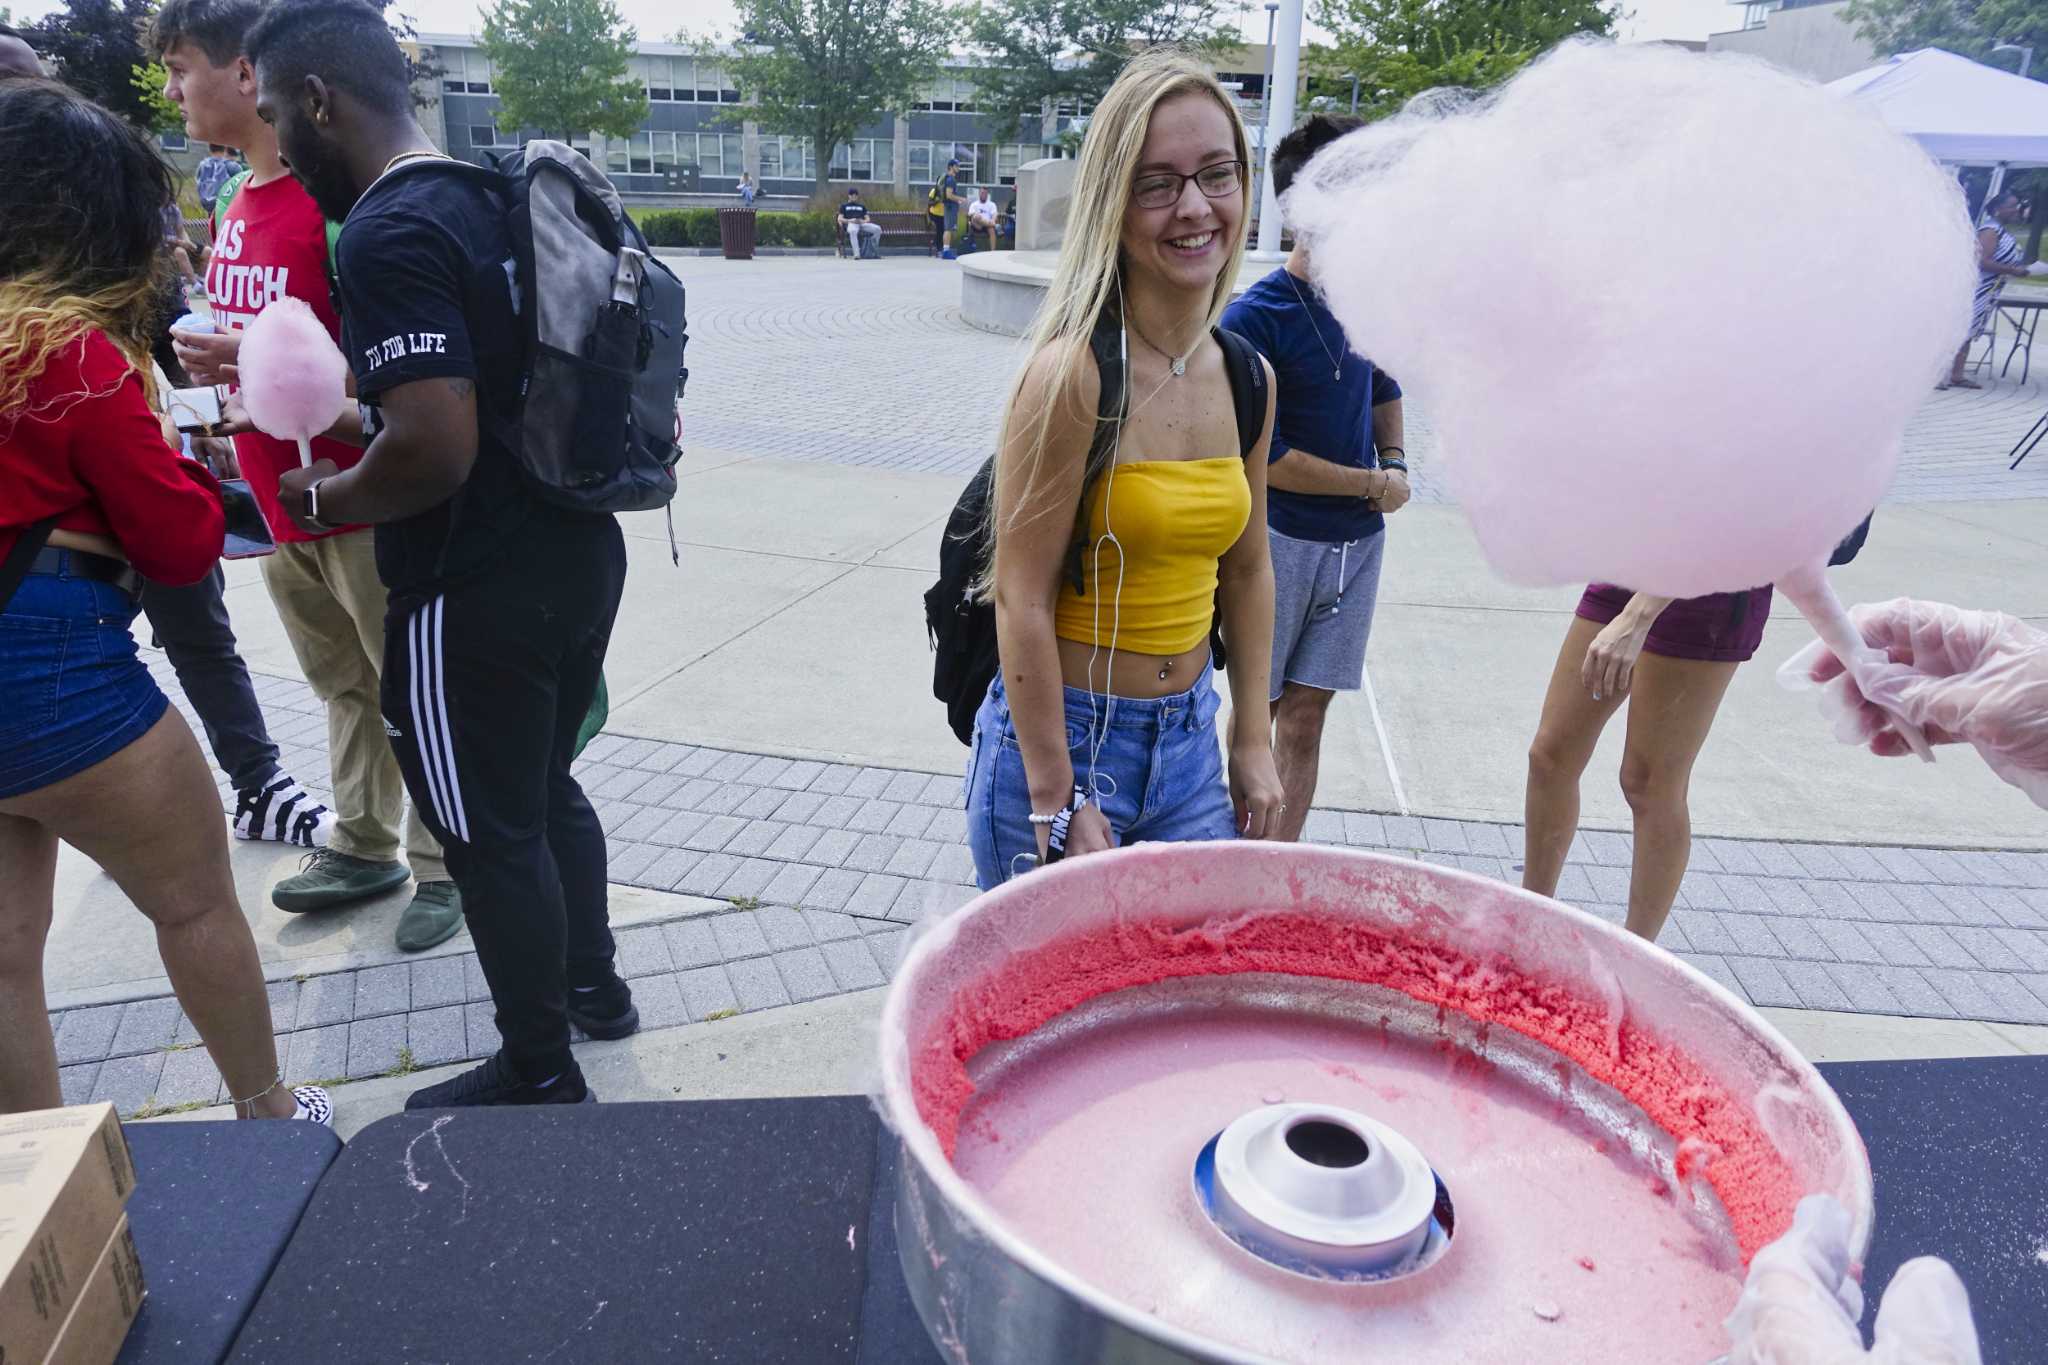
<point x="1799" y="1306"/>
<point x="1965" y="677"/>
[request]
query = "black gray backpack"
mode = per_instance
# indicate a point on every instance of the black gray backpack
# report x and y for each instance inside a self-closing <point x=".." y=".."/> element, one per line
<point x="594" y="422"/>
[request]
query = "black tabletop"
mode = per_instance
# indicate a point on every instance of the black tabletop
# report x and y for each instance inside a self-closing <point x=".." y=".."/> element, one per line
<point x="214" y="1206"/>
<point x="714" y="1231"/>
<point x="762" y="1230"/>
<point x="1958" y="1147"/>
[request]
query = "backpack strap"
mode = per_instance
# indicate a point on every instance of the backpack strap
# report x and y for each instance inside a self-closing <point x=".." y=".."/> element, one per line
<point x="224" y="197"/>
<point x="1247" y="388"/>
<point x="1105" y="345"/>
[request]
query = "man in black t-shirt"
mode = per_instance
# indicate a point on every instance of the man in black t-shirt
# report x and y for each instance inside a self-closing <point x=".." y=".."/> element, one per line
<point x="500" y="604"/>
<point x="853" y="221"/>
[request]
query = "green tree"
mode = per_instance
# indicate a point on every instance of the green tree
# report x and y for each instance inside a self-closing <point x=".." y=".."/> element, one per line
<point x="1044" y="52"/>
<point x="824" y="69"/>
<point x="1969" y="28"/>
<point x="94" y="47"/>
<point x="560" y="66"/>
<point x="148" y="79"/>
<point x="1400" y="48"/>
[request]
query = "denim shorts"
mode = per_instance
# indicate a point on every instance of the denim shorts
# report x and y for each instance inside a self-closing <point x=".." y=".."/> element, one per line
<point x="1158" y="774"/>
<point x="72" y="691"/>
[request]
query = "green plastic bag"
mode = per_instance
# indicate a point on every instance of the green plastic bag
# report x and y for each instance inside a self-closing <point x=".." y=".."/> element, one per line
<point x="594" y="719"/>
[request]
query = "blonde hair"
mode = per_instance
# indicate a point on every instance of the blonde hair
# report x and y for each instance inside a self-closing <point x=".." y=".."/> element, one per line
<point x="40" y="317"/>
<point x="1091" y="252"/>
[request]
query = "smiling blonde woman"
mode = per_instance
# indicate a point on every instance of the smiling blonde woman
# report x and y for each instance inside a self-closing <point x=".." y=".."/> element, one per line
<point x="1119" y="542"/>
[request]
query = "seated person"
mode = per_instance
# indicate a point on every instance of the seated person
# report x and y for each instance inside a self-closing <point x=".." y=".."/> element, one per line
<point x="853" y="218"/>
<point x="982" y="218"/>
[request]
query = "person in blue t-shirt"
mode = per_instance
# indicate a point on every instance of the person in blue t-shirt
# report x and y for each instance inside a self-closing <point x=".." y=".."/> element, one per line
<point x="1337" y="469"/>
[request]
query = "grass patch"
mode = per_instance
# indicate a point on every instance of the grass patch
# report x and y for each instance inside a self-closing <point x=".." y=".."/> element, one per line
<point x="407" y="1063"/>
<point x="177" y="1047"/>
<point x="720" y="1014"/>
<point x="744" y="902"/>
<point x="150" y="1109"/>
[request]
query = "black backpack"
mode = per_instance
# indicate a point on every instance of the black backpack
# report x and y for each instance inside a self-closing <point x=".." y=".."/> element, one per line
<point x="594" y="420"/>
<point x="962" y="630"/>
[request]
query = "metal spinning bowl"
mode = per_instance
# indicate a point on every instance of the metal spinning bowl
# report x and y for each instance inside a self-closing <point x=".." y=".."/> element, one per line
<point x="995" y="1291"/>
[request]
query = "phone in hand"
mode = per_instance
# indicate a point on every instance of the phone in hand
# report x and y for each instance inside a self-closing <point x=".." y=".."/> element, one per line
<point x="248" y="534"/>
<point x="196" y="411"/>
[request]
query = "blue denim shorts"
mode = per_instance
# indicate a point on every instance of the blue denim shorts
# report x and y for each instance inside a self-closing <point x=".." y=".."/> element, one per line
<point x="1158" y="774"/>
<point x="72" y="691"/>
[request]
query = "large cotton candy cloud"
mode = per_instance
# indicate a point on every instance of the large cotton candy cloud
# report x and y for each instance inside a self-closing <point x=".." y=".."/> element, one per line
<point x="1668" y="313"/>
<point x="292" y="375"/>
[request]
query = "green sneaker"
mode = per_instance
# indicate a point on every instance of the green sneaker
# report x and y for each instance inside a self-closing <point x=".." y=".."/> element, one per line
<point x="433" y="917"/>
<point x="328" y="878"/>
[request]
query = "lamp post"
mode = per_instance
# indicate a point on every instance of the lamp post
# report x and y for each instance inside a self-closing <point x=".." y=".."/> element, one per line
<point x="1265" y="103"/>
<point x="1351" y="76"/>
<point x="1283" y="55"/>
<point x="2026" y="56"/>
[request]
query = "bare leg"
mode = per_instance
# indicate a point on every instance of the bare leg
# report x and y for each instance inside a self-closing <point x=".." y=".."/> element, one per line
<point x="1673" y="709"/>
<point x="1565" y="736"/>
<point x="1297" y="751"/>
<point x="149" y="816"/>
<point x="28" y="1054"/>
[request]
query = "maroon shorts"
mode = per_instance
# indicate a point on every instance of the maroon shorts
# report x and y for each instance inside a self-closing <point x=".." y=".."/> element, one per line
<point x="1723" y="628"/>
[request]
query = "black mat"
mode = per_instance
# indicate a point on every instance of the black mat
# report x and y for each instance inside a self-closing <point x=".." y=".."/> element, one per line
<point x="1958" y="1148"/>
<point x="214" y="1206"/>
<point x="721" y="1230"/>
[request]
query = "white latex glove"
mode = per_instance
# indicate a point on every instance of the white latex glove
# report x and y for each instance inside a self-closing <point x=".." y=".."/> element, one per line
<point x="2038" y="268"/>
<point x="1799" y="1306"/>
<point x="1965" y="677"/>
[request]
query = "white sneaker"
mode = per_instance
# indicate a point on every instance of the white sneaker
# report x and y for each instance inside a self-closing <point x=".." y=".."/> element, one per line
<point x="283" y="812"/>
<point x="313" y="1106"/>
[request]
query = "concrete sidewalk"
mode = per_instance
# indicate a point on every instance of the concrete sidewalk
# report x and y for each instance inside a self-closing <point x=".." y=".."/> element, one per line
<point x="782" y="792"/>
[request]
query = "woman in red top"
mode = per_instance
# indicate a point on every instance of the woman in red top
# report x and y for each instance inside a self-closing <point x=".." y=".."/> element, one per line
<point x="90" y="751"/>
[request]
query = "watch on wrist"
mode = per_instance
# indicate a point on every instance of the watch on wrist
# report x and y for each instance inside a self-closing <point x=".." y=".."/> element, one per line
<point x="311" y="506"/>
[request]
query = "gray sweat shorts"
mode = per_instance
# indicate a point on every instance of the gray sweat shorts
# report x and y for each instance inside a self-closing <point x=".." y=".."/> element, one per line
<point x="1323" y="596"/>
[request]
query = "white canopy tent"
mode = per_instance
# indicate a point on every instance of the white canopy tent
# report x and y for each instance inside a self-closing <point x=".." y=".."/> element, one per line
<point x="1963" y="112"/>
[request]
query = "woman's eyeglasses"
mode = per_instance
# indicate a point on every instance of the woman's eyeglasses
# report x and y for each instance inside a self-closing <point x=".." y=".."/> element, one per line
<point x="1158" y="189"/>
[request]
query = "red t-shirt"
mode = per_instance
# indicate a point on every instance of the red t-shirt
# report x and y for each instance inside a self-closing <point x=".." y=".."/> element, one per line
<point x="270" y="242"/>
<point x="86" y="449"/>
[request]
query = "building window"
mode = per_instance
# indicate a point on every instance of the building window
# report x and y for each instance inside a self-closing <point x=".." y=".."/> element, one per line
<point x="771" y="158"/>
<point x="642" y="152"/>
<point x="468" y="72"/>
<point x="618" y="159"/>
<point x="840" y="157"/>
<point x="885" y="160"/>
<point x="171" y="142"/>
<point x="1008" y="157"/>
<point x="921" y="162"/>
<point x="483" y="135"/>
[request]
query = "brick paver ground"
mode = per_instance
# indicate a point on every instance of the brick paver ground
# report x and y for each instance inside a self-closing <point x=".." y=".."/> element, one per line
<point x="817" y="333"/>
<point x="824" y="867"/>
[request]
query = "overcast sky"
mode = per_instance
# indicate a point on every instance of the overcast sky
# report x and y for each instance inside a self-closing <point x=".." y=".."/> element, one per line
<point x="659" y="19"/>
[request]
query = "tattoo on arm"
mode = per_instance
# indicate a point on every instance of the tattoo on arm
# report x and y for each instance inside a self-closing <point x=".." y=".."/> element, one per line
<point x="462" y="388"/>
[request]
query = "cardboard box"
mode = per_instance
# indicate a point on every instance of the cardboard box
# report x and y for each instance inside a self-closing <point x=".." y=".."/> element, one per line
<point x="100" y="1320"/>
<point x="64" y="1176"/>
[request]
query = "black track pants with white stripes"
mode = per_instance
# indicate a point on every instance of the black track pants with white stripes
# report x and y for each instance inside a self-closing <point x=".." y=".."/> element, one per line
<point x="484" y="688"/>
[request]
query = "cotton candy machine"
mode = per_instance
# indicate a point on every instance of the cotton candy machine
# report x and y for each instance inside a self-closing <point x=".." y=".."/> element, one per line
<point x="1269" y="1102"/>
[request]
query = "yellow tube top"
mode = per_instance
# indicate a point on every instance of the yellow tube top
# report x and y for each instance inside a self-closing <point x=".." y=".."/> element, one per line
<point x="1174" y="519"/>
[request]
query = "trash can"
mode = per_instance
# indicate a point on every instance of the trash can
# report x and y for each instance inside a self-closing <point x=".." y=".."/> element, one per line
<point x="736" y="233"/>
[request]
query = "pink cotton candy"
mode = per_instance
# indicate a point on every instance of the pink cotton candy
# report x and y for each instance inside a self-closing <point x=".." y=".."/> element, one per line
<point x="1668" y="313"/>
<point x="294" y="381"/>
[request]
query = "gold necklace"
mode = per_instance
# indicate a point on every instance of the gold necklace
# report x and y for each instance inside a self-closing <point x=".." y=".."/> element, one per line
<point x="411" y="156"/>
